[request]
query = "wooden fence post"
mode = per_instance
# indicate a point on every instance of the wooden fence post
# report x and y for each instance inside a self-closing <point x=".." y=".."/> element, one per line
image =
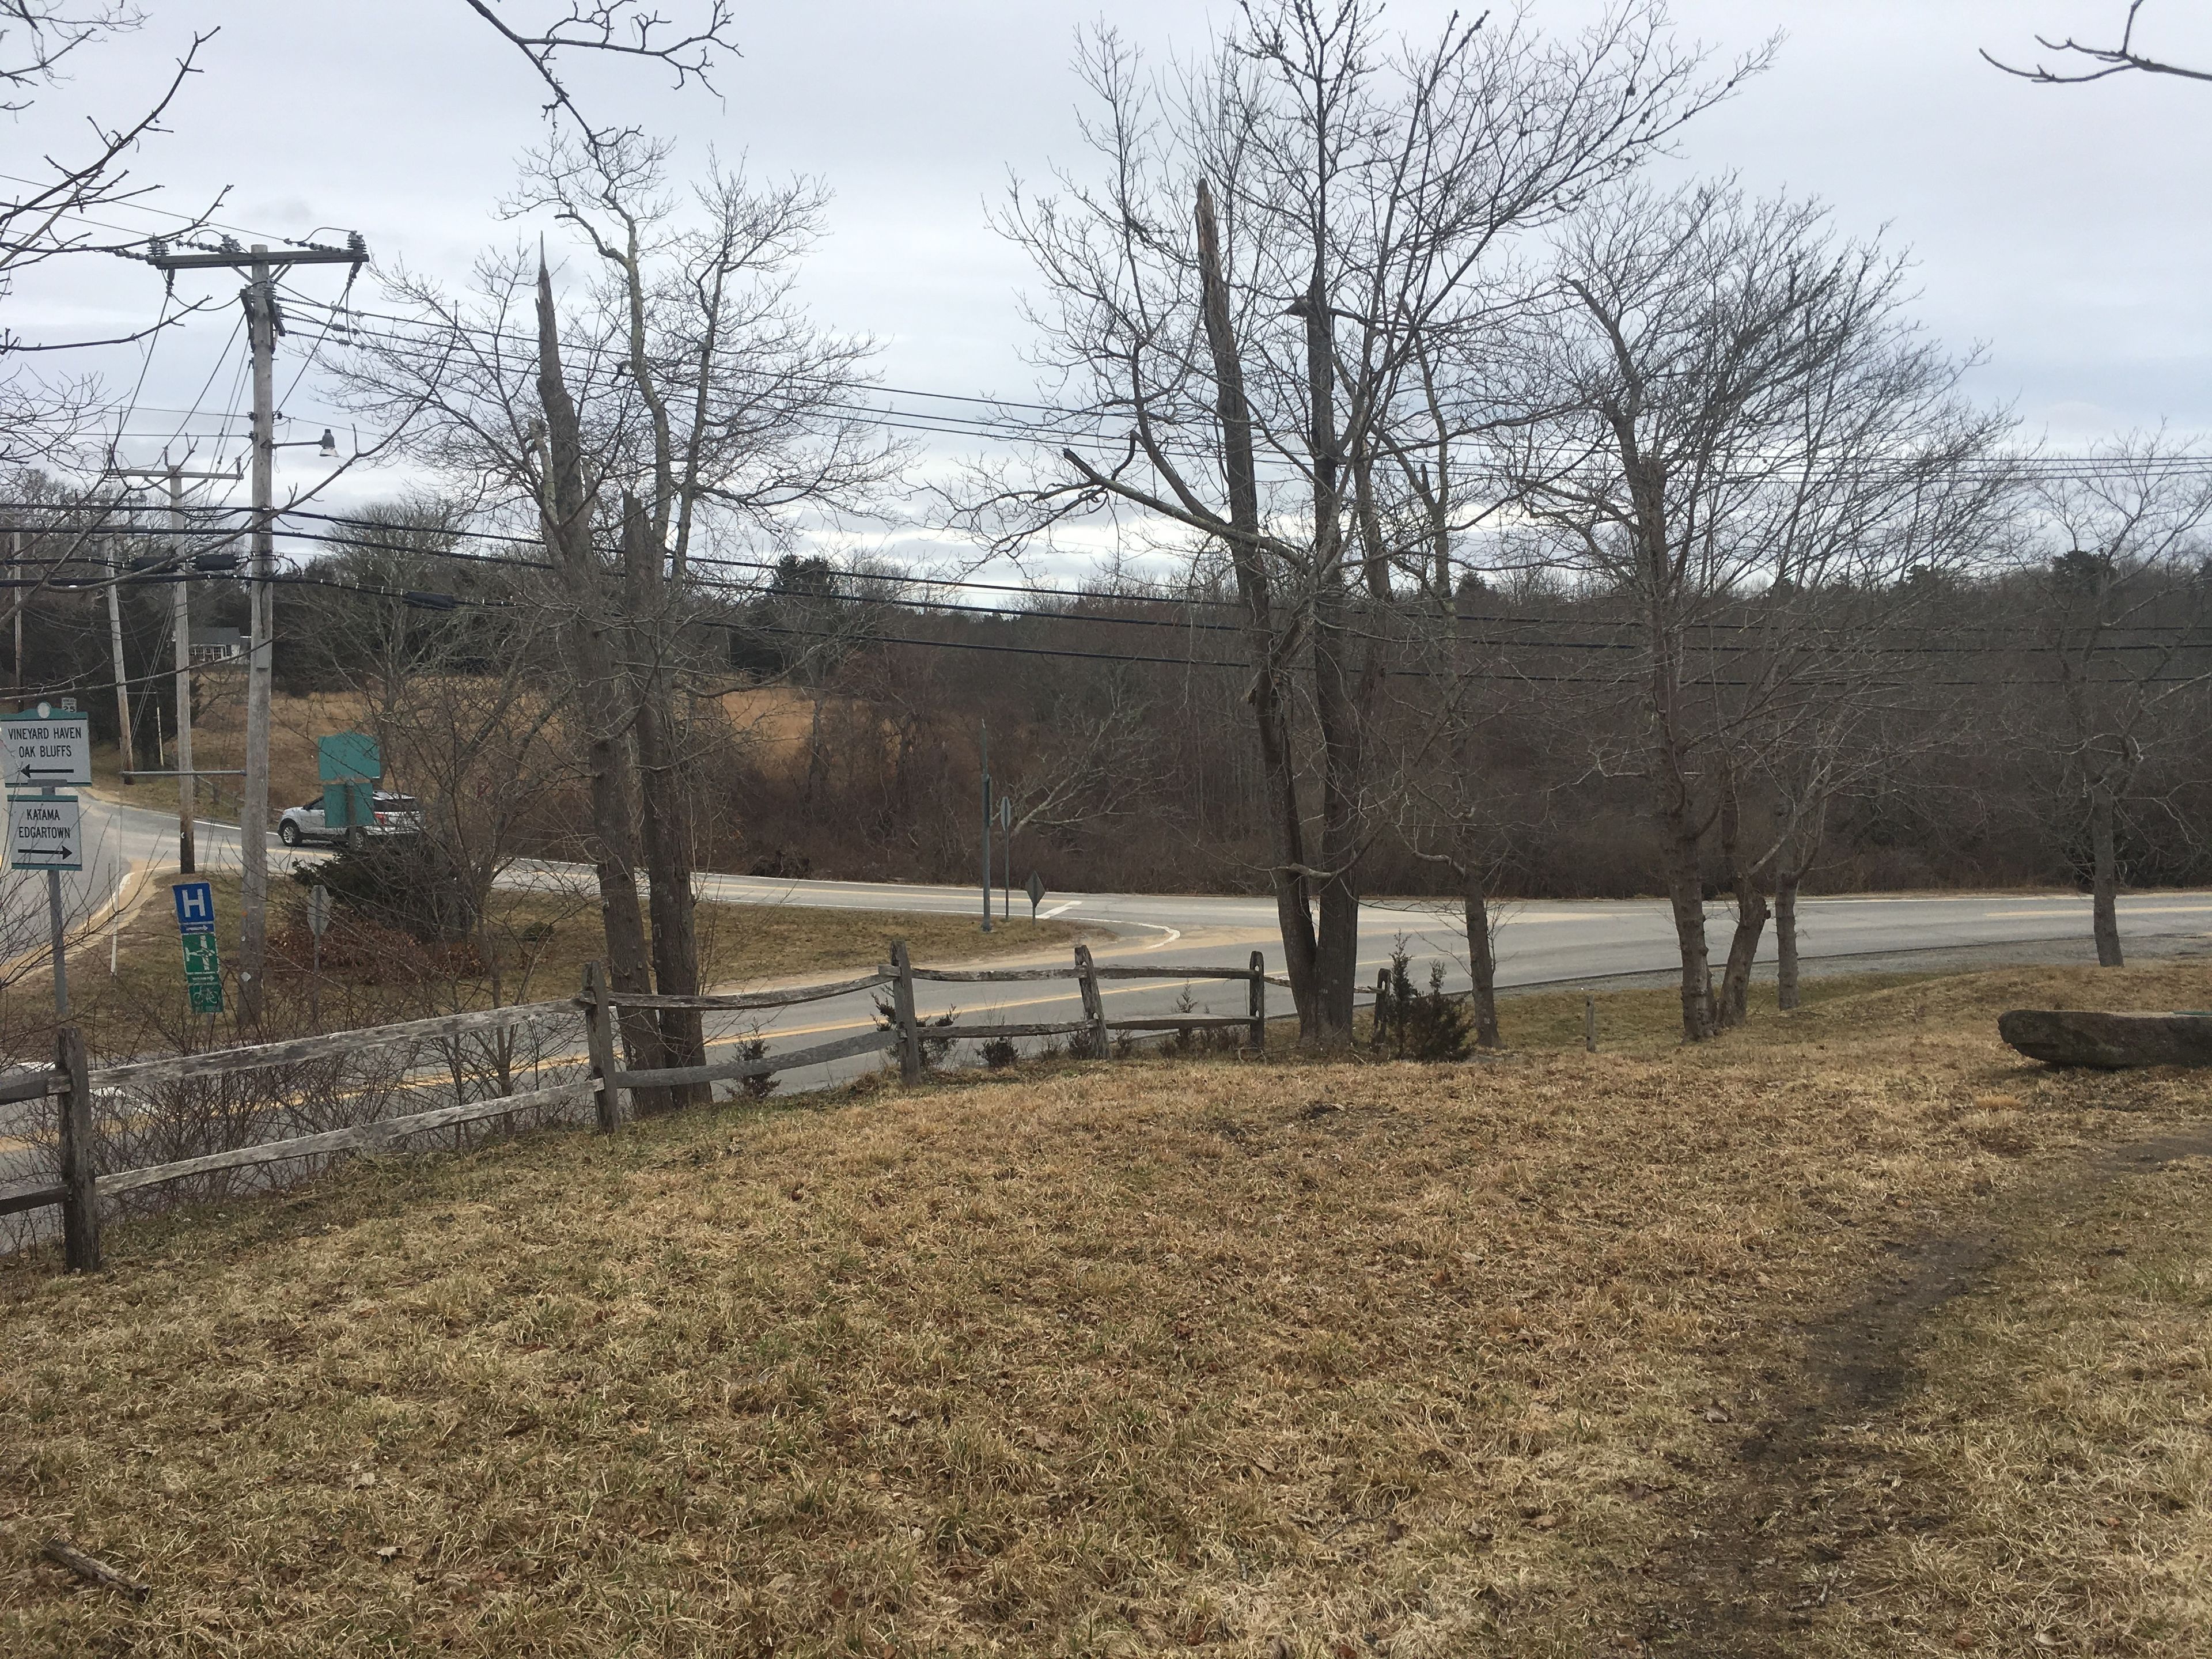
<point x="600" y="1040"/>
<point x="80" y="1196"/>
<point x="909" y="1030"/>
<point x="1257" y="1002"/>
<point x="1382" y="1009"/>
<point x="1094" y="1005"/>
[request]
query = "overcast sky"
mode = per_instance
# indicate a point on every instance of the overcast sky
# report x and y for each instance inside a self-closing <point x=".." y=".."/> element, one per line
<point x="2064" y="231"/>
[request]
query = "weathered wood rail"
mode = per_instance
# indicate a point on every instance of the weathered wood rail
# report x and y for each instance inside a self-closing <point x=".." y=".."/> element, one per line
<point x="73" y="1085"/>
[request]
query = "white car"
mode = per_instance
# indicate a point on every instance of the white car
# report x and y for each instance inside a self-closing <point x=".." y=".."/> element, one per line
<point x="396" y="815"/>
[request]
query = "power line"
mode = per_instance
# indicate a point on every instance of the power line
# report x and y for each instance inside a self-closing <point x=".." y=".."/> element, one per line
<point x="1863" y="641"/>
<point x="2046" y="468"/>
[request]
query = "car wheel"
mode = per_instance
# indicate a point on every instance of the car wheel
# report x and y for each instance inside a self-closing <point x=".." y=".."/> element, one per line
<point x="288" y="833"/>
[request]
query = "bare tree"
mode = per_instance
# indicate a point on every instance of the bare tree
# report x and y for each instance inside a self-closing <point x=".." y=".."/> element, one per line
<point x="45" y="408"/>
<point x="741" y="419"/>
<point x="1083" y="763"/>
<point x="1284" y="233"/>
<point x="2117" y="603"/>
<point x="568" y="501"/>
<point x="1753" y="417"/>
<point x="706" y="410"/>
<point x="466" y="701"/>
<point x="2080" y="61"/>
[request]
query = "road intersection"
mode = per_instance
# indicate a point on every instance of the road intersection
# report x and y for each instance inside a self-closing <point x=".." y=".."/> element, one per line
<point x="1538" y="943"/>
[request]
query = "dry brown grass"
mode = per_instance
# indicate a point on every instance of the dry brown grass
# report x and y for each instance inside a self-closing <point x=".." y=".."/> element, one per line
<point x="1264" y="1359"/>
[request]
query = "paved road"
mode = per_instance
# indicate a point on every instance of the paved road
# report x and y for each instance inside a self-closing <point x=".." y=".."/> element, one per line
<point x="1538" y="942"/>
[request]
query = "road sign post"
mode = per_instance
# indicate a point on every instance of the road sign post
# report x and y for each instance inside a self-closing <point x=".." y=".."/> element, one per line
<point x="351" y="765"/>
<point x="41" y="749"/>
<point x="318" y="921"/>
<point x="1006" y="854"/>
<point x="1036" y="893"/>
<point x="45" y="832"/>
<point x="195" y="902"/>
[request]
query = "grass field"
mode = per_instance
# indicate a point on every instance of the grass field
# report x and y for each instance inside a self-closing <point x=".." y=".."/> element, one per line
<point x="1851" y="1334"/>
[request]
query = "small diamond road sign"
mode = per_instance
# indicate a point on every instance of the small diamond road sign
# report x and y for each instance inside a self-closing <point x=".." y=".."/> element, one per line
<point x="45" y="832"/>
<point x="44" y="749"/>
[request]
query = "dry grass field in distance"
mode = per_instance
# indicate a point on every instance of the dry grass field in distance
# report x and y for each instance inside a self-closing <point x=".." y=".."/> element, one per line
<point x="1851" y="1335"/>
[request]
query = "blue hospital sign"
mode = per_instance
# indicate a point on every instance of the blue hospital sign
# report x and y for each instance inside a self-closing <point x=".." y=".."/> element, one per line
<point x="195" y="907"/>
<point x="202" y="965"/>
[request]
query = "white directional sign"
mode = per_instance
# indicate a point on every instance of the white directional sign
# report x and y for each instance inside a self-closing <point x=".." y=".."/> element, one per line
<point x="45" y="832"/>
<point x="44" y="750"/>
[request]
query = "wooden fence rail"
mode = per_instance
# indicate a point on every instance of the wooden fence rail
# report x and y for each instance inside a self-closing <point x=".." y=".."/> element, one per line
<point x="73" y="1085"/>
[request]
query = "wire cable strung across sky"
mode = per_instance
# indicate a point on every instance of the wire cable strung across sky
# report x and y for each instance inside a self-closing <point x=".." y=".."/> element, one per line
<point x="993" y="426"/>
<point x="926" y="605"/>
<point x="1000" y="420"/>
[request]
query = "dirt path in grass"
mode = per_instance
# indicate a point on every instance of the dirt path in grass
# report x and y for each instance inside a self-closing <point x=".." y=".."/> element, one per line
<point x="1746" y="1575"/>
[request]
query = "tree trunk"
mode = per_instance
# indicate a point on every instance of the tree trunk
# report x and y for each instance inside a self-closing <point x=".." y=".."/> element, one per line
<point x="1785" y="940"/>
<point x="1293" y="906"/>
<point x="1751" y="918"/>
<point x="1339" y="689"/>
<point x="613" y="840"/>
<point x="1337" y="953"/>
<point x="1751" y="914"/>
<point x="1686" y="897"/>
<point x="818" y="762"/>
<point x="2104" y="877"/>
<point x="1482" y="963"/>
<point x="667" y="812"/>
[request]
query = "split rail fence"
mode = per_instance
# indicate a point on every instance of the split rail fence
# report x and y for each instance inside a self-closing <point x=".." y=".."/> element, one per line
<point x="75" y="1086"/>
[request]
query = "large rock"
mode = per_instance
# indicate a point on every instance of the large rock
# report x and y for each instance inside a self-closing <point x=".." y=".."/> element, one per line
<point x="2110" y="1042"/>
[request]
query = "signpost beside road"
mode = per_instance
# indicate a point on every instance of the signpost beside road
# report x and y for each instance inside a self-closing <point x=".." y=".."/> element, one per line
<point x="1036" y="893"/>
<point x="41" y="749"/>
<point x="349" y="764"/>
<point x="45" y="832"/>
<point x="194" y="902"/>
<point x="319" y="923"/>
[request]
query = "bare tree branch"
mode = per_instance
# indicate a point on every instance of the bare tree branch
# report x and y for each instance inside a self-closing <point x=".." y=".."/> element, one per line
<point x="621" y="28"/>
<point x="2122" y="58"/>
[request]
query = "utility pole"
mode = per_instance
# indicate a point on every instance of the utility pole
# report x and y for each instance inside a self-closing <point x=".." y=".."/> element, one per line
<point x="253" y="805"/>
<point x="986" y="826"/>
<point x="182" y="626"/>
<point x="263" y="326"/>
<point x="115" y="568"/>
<point x="16" y="572"/>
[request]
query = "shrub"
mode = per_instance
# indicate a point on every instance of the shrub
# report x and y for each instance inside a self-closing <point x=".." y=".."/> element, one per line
<point x="935" y="1050"/>
<point x="409" y="882"/>
<point x="1427" y="1025"/>
<point x="756" y="1088"/>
